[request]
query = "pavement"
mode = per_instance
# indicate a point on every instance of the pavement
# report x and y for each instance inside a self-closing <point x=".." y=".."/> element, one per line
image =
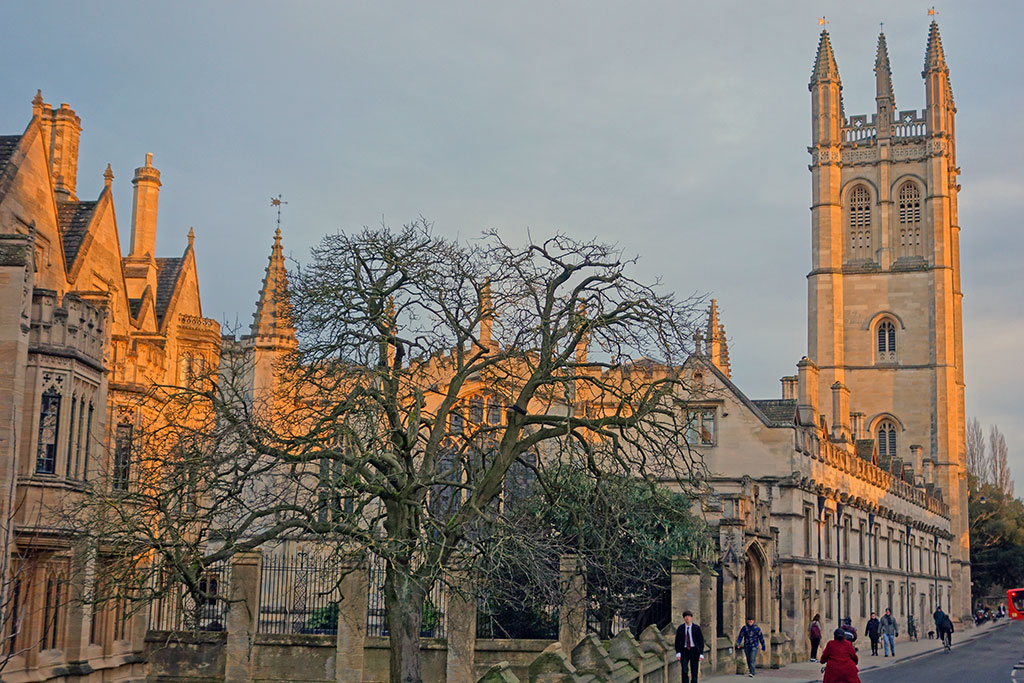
<point x="810" y="672"/>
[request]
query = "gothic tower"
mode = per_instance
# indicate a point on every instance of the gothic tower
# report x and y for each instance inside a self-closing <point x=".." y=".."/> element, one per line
<point x="884" y="297"/>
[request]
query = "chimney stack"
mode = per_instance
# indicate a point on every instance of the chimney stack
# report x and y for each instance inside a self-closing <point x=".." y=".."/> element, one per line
<point x="807" y="392"/>
<point x="140" y="265"/>
<point x="840" y="412"/>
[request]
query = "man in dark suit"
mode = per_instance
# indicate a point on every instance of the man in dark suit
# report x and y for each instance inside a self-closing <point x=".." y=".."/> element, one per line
<point x="689" y="647"/>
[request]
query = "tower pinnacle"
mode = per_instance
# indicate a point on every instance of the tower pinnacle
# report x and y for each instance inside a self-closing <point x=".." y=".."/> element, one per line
<point x="718" y="347"/>
<point x="934" y="57"/>
<point x="883" y="72"/>
<point x="272" y="319"/>
<point x="825" y="67"/>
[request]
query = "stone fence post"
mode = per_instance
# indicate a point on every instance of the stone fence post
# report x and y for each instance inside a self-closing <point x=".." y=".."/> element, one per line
<point x="572" y="614"/>
<point x="355" y="589"/>
<point x="461" y="627"/>
<point x="243" y="612"/>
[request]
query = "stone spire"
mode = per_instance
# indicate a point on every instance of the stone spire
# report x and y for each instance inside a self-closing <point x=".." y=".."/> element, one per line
<point x="883" y="75"/>
<point x="825" y="67"/>
<point x="272" y="320"/>
<point x="934" y="57"/>
<point x="486" y="315"/>
<point x="938" y="92"/>
<point x="718" y="346"/>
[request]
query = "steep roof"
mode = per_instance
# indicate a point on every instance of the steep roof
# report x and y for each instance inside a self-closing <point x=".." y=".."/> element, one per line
<point x="74" y="220"/>
<point x="8" y="143"/>
<point x="781" y="412"/>
<point x="167" y="272"/>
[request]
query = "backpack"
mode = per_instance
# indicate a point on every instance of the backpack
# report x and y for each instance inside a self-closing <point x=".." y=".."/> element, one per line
<point x="815" y="630"/>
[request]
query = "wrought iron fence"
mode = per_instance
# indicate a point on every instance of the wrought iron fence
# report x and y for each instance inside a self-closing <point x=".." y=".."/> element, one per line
<point x="501" y="619"/>
<point x="435" y="609"/>
<point x="658" y="612"/>
<point x="299" y="594"/>
<point x="178" y="609"/>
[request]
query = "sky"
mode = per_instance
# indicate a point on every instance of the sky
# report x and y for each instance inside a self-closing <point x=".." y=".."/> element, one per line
<point x="677" y="130"/>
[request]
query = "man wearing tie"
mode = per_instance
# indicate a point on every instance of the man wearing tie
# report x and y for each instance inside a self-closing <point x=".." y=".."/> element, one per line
<point x="689" y="647"/>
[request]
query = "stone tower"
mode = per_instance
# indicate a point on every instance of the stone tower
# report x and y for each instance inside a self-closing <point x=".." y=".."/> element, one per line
<point x="884" y="296"/>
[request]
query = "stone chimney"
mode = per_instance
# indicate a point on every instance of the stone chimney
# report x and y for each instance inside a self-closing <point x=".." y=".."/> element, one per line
<point x="61" y="129"/>
<point x="140" y="266"/>
<point x="840" y="412"/>
<point x="807" y="391"/>
<point x="789" y="387"/>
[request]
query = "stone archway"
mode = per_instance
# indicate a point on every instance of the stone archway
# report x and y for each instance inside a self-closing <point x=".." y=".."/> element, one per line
<point x="754" y="577"/>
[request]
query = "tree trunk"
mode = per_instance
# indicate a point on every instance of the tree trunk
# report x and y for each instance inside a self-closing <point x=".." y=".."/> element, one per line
<point x="403" y="602"/>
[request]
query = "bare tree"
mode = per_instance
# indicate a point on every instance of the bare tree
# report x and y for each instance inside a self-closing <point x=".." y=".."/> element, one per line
<point x="426" y="368"/>
<point x="999" y="464"/>
<point x="977" y="458"/>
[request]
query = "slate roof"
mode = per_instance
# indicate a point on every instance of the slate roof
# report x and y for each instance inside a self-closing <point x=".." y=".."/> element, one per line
<point x="74" y="220"/>
<point x="134" y="306"/>
<point x="781" y="412"/>
<point x="8" y="143"/>
<point x="167" y="271"/>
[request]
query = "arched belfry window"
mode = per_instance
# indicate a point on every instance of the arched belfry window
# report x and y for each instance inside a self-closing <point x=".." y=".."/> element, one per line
<point x="909" y="200"/>
<point x="859" y="210"/>
<point x="886" y="439"/>
<point x="885" y="341"/>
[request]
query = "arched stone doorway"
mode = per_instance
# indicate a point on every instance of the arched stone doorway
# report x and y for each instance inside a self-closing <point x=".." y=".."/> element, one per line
<point x="754" y="573"/>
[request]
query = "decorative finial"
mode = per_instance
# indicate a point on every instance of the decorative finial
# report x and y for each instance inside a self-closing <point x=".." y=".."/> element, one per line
<point x="932" y="11"/>
<point x="277" y="202"/>
<point x="149" y="159"/>
<point x="191" y="236"/>
<point x="823" y="22"/>
<point x="108" y="176"/>
<point x="37" y="103"/>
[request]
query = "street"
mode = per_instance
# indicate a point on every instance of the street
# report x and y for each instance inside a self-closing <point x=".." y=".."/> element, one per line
<point x="989" y="658"/>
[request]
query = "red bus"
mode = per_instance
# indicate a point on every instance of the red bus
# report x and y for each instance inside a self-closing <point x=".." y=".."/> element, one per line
<point x="1015" y="603"/>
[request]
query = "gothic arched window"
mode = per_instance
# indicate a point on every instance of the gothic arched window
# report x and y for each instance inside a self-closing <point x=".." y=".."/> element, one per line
<point x="885" y="342"/>
<point x="49" y="424"/>
<point x="886" y="439"/>
<point x="909" y="201"/>
<point x="860" y="223"/>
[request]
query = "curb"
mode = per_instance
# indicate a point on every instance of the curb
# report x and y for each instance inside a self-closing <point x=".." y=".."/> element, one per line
<point x="925" y="653"/>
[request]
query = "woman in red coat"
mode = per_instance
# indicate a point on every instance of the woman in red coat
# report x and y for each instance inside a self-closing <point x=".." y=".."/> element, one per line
<point x="840" y="660"/>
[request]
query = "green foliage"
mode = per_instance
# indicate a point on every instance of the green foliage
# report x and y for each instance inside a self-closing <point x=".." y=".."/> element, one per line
<point x="997" y="536"/>
<point x="325" y="618"/>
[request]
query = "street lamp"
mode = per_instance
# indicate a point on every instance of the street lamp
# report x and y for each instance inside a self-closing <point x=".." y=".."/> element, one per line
<point x="839" y="561"/>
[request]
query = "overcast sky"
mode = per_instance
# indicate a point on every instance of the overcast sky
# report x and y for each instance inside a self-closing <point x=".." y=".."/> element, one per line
<point x="676" y="129"/>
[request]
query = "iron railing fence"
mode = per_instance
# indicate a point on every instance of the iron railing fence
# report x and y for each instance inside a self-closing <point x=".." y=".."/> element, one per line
<point x="435" y="609"/>
<point x="178" y="609"/>
<point x="299" y="594"/>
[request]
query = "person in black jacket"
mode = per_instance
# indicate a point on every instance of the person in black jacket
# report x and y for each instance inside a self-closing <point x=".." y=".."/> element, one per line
<point x="874" y="631"/>
<point x="689" y="647"/>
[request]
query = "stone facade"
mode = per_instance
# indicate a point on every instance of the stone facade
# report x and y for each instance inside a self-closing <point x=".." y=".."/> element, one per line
<point x="84" y="333"/>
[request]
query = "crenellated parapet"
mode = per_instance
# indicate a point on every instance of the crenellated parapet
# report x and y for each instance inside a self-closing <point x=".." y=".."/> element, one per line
<point x="68" y="326"/>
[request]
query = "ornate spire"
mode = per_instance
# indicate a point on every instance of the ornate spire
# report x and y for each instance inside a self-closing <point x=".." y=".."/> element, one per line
<point x="108" y="176"/>
<point x="191" y="236"/>
<point x="883" y="72"/>
<point x="825" y="67"/>
<point x="934" y="57"/>
<point x="718" y="347"/>
<point x="272" y="319"/>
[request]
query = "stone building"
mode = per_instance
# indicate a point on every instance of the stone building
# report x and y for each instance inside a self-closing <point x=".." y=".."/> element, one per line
<point x="84" y="333"/>
<point x="844" y="495"/>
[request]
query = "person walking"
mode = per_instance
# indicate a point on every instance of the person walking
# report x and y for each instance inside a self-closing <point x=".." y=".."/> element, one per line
<point x="749" y="639"/>
<point x="814" y="633"/>
<point x="872" y="629"/>
<point x="890" y="629"/>
<point x="944" y="628"/>
<point x="840" y="659"/>
<point x="689" y="647"/>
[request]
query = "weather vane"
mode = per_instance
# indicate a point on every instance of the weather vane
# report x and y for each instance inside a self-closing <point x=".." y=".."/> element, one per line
<point x="277" y="202"/>
<point x="822" y="21"/>
<point x="932" y="11"/>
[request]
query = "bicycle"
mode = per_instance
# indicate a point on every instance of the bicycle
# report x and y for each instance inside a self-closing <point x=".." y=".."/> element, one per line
<point x="947" y="641"/>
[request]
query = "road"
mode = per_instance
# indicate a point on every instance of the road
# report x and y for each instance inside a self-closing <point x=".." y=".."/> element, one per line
<point x="989" y="658"/>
